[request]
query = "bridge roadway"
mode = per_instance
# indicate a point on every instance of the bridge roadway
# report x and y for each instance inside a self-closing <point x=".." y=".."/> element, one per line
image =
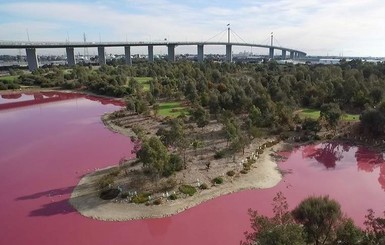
<point x="69" y="46"/>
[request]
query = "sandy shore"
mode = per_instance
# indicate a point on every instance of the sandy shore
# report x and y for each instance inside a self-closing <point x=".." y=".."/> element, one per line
<point x="84" y="198"/>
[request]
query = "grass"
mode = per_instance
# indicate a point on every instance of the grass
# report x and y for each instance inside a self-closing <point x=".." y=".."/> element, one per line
<point x="145" y="81"/>
<point x="171" y="109"/>
<point x="9" y="78"/>
<point x="315" y="114"/>
<point x="310" y="113"/>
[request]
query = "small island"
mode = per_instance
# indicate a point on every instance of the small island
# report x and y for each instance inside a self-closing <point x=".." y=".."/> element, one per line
<point x="207" y="166"/>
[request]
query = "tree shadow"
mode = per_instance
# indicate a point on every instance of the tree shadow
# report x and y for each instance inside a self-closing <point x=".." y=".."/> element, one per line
<point x="53" y="208"/>
<point x="61" y="205"/>
<point x="49" y="193"/>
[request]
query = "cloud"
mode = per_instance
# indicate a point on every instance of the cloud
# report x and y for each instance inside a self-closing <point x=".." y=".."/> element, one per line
<point x="315" y="26"/>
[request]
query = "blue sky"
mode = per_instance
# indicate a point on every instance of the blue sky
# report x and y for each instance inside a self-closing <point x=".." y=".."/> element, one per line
<point x="319" y="27"/>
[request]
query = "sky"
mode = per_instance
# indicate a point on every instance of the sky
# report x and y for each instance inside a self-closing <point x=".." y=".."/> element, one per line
<point x="318" y="27"/>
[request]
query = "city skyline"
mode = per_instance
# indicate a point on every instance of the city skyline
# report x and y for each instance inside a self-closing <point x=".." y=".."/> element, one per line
<point x="340" y="28"/>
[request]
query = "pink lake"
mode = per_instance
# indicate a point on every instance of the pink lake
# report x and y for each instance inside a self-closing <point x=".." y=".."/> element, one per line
<point x="49" y="140"/>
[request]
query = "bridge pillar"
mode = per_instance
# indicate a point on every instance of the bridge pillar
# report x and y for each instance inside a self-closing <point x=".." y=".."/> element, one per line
<point x="283" y="54"/>
<point x="229" y="54"/>
<point x="201" y="54"/>
<point x="291" y="55"/>
<point x="70" y="56"/>
<point x="171" y="52"/>
<point x="101" y="56"/>
<point x="271" y="53"/>
<point x="32" y="59"/>
<point x="150" y="53"/>
<point x="127" y="55"/>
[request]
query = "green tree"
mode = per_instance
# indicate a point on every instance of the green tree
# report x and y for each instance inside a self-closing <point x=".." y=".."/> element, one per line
<point x="332" y="113"/>
<point x="154" y="156"/>
<point x="375" y="228"/>
<point x="348" y="233"/>
<point x="312" y="125"/>
<point x="201" y="117"/>
<point x="319" y="217"/>
<point x="281" y="229"/>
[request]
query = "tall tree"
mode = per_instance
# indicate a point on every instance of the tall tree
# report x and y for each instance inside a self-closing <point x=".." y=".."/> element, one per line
<point x="319" y="217"/>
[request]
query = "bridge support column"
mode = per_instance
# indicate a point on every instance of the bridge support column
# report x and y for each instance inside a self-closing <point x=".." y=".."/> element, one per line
<point x="229" y="53"/>
<point x="150" y="53"/>
<point x="271" y="53"/>
<point x="291" y="55"/>
<point x="127" y="55"/>
<point x="70" y="56"/>
<point x="32" y="59"/>
<point x="171" y="52"/>
<point x="101" y="56"/>
<point x="283" y="54"/>
<point x="201" y="54"/>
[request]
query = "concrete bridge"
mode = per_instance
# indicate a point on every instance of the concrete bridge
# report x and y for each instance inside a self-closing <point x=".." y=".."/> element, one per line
<point x="33" y="64"/>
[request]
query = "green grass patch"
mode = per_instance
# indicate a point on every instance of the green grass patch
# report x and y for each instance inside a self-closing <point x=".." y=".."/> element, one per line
<point x="145" y="81"/>
<point x="310" y="113"/>
<point x="350" y="117"/>
<point x="8" y="78"/>
<point x="315" y="114"/>
<point x="171" y="109"/>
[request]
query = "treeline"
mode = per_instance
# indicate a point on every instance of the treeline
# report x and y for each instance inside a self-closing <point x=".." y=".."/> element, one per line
<point x="274" y="90"/>
<point x="316" y="220"/>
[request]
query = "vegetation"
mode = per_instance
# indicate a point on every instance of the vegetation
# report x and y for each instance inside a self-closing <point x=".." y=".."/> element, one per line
<point x="230" y="173"/>
<point x="171" y="109"/>
<point x="316" y="220"/>
<point x="218" y="180"/>
<point x="141" y="198"/>
<point x="187" y="189"/>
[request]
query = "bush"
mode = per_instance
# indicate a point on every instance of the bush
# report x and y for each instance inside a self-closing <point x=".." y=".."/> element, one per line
<point x="141" y="198"/>
<point x="157" y="202"/>
<point x="243" y="171"/>
<point x="218" y="180"/>
<point x="175" y="163"/>
<point x="168" y="185"/>
<point x="246" y="167"/>
<point x="230" y="173"/>
<point x="109" y="194"/>
<point x="173" y="197"/>
<point x="219" y="154"/>
<point x="203" y="186"/>
<point x="187" y="189"/>
<point x="124" y="195"/>
<point x="105" y="181"/>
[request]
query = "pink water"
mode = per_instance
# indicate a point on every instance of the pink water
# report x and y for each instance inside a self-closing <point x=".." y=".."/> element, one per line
<point x="45" y="149"/>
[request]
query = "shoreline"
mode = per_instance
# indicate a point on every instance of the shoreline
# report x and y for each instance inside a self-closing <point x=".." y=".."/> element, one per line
<point x="264" y="174"/>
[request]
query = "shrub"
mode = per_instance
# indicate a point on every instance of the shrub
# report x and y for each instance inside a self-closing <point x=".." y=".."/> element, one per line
<point x="124" y="195"/>
<point x="187" y="189"/>
<point x="105" y="181"/>
<point x="230" y="173"/>
<point x="219" y="154"/>
<point x="203" y="186"/>
<point x="243" y="171"/>
<point x="141" y="198"/>
<point x="168" y="185"/>
<point x="218" y="180"/>
<point x="173" y="197"/>
<point x="109" y="194"/>
<point x="246" y="167"/>
<point x="157" y="202"/>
